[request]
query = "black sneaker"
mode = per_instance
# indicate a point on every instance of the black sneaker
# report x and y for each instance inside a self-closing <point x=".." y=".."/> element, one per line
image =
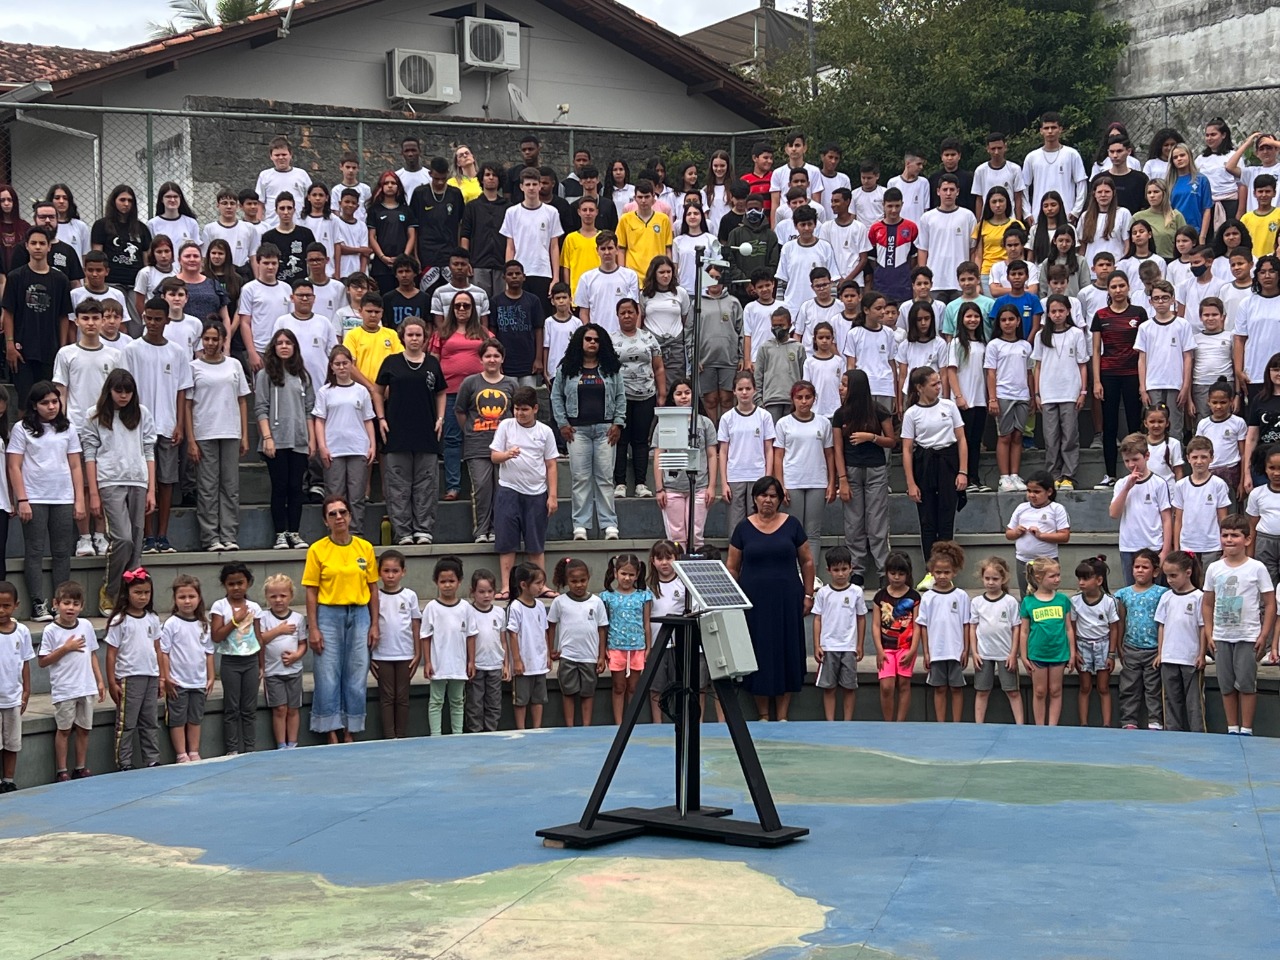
<point x="7" y="786"/>
<point x="79" y="773"/>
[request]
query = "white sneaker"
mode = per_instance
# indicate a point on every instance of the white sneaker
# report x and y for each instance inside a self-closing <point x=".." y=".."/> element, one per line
<point x="231" y="545"/>
<point x="100" y="544"/>
<point x="282" y="542"/>
<point x="1106" y="483"/>
<point x="296" y="541"/>
<point x="611" y="533"/>
<point x="579" y="533"/>
<point x="643" y="491"/>
<point x="1007" y="485"/>
<point x="216" y="547"/>
<point x="482" y="539"/>
<point x="405" y="541"/>
<point x="620" y="491"/>
<point x="84" y="546"/>
<point x="422" y="537"/>
<point x="1018" y="483"/>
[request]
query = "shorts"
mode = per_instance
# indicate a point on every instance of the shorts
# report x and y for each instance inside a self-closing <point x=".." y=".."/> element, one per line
<point x="285" y="691"/>
<point x="1237" y="667"/>
<point x="1094" y="655"/>
<point x="1013" y="416"/>
<point x="527" y="690"/>
<point x="577" y="679"/>
<point x="945" y="673"/>
<point x="77" y="711"/>
<point x="168" y="460"/>
<point x="11" y="729"/>
<point x="716" y="378"/>
<point x="519" y="516"/>
<point x="622" y="660"/>
<point x="839" y="669"/>
<point x="185" y="707"/>
<point x="1048" y="664"/>
<point x="896" y="664"/>
<point x="984" y="678"/>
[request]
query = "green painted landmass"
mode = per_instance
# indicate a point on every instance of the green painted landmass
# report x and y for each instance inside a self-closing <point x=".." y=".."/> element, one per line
<point x="116" y="898"/>
<point x="806" y="773"/>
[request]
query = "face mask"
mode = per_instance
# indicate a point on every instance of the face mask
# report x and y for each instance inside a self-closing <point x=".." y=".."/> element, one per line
<point x="781" y="334"/>
<point x="754" y="217"/>
<point x="1200" y="271"/>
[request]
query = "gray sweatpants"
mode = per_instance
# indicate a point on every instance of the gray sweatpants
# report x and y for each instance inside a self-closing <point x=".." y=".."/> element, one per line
<point x="410" y="482"/>
<point x="1183" y="697"/>
<point x="52" y="532"/>
<point x="1200" y="397"/>
<point x="240" y="682"/>
<point x="484" y="701"/>
<point x="806" y="506"/>
<point x="866" y="518"/>
<point x="136" y="713"/>
<point x="740" y="506"/>
<point x="1061" y="439"/>
<point x="124" y="509"/>
<point x="218" y="491"/>
<point x="1170" y="399"/>
<point x="484" y="484"/>
<point x="1139" y="682"/>
<point x="349" y="477"/>
<point x="1267" y="551"/>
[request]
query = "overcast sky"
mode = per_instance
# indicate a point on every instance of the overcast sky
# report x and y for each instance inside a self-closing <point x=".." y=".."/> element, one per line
<point x="81" y="23"/>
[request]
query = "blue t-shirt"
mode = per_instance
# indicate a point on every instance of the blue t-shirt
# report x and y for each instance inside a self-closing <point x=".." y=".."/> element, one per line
<point x="1028" y="305"/>
<point x="1140" y="615"/>
<point x="626" y="618"/>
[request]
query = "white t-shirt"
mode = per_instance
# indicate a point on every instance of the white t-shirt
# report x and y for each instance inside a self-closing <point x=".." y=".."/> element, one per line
<point x="526" y="473"/>
<point x="599" y="292"/>
<point x="757" y="323"/>
<point x="241" y="237"/>
<point x="1165" y="344"/>
<point x="970" y="372"/>
<point x="272" y="182"/>
<point x="1226" y="436"/>
<point x="1050" y="518"/>
<point x="556" y="335"/>
<point x="489" y="650"/>
<point x="1247" y="176"/>
<point x="1221" y="183"/>
<point x="447" y="627"/>
<point x="934" y="426"/>
<point x="345" y="411"/>
<point x="135" y="641"/>
<point x="1008" y="358"/>
<point x="331" y="296"/>
<point x="215" y="391"/>
<point x="1264" y="503"/>
<point x="578" y="624"/>
<point x="1099" y="241"/>
<point x="1131" y="267"/>
<point x="1258" y="320"/>
<point x="1237" y="601"/>
<point x="76" y="235"/>
<point x="185" y="332"/>
<point x="262" y="304"/>
<point x="1060" y="365"/>
<point x="366" y="194"/>
<point x="1182" y="616"/>
<point x="825" y="375"/>
<point x="873" y="352"/>
<point x="529" y="624"/>
<point x="1213" y="357"/>
<point x="1162" y="457"/>
<point x="351" y="235"/>
<point x="161" y="372"/>
<point x="921" y="353"/>
<point x="803" y="445"/>
<point x="187" y="644"/>
<point x="868" y="205"/>
<point x="396" y="613"/>
<point x="781" y="177"/>
<point x="796" y="260"/>
<point x="324" y="230"/>
<point x="809" y="315"/>
<point x="945" y="616"/>
<point x="147" y="282"/>
<point x="849" y="242"/>
<point x="746" y="433"/>
<point x="80" y="294"/>
<point x="1008" y="176"/>
<point x="1199" y="504"/>
<point x="180" y="230"/>
<point x="946" y="237"/>
<point x="15" y="650"/>
<point x="993" y="622"/>
<point x="83" y="372"/>
<point x="45" y="470"/>
<point x="1093" y="620"/>
<point x="829" y="185"/>
<point x="1141" y="523"/>
<point x="71" y="676"/>
<point x="274" y="650"/>
<point x="839" y="610"/>
<point x="670" y="603"/>
<point x="532" y="231"/>
<point x="1062" y="170"/>
<point x="315" y="339"/>
<point x="915" y="197"/>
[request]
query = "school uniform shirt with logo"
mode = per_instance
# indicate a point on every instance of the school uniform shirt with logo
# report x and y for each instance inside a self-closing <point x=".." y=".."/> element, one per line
<point x="915" y="197"/>
<point x="809" y="315"/>
<point x="1213" y="357"/>
<point x="71" y="676"/>
<point x="945" y="615"/>
<point x="1264" y="503"/>
<point x="934" y="426"/>
<point x="746" y="434"/>
<point x="345" y="410"/>
<point x="1047" y="636"/>
<point x="921" y="353"/>
<point x="83" y="371"/>
<point x="1182" y="616"/>
<point x="526" y="473"/>
<point x="1165" y="344"/>
<point x="1141" y="523"/>
<point x="757" y="323"/>
<point x="668" y="603"/>
<point x="873" y="352"/>
<point x="1093" y="620"/>
<point x="578" y="624"/>
<point x="161" y="371"/>
<point x="274" y="650"/>
<point x="272" y="182"/>
<point x="351" y="235"/>
<point x="262" y="303"/>
<point x="187" y="644"/>
<point x="993" y="622"/>
<point x="1258" y="321"/>
<point x="849" y="242"/>
<point x="448" y="626"/>
<point x="135" y="641"/>
<point x="529" y="624"/>
<point x="1199" y="504"/>
<point x="599" y="292"/>
<point x="1237" y="599"/>
<point x="15" y="651"/>
<point x="970" y="373"/>
<point x="796" y="260"/>
<point x="825" y="373"/>
<point x="1162" y="457"/>
<point x="1008" y="176"/>
<point x="396" y="613"/>
<point x="80" y="294"/>
<point x="215" y="389"/>
<point x="490" y="623"/>
<point x="315" y="341"/>
<point x="1226" y="436"/>
<point x="532" y="229"/>
<point x="45" y="470"/>
<point x="1009" y="359"/>
<point x="804" y="444"/>
<point x="839" y="610"/>
<point x="1060" y="365"/>
<point x="1051" y="518"/>
<point x="829" y="185"/>
<point x="944" y="235"/>
<point x="240" y="237"/>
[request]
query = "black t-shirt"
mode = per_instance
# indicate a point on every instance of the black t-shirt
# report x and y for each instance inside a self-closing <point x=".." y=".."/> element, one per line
<point x="124" y="253"/>
<point x="590" y="399"/>
<point x="1265" y="415"/>
<point x="391" y="226"/>
<point x="38" y="302"/>
<point x="515" y="322"/>
<point x="411" y="403"/>
<point x="966" y="187"/>
<point x="396" y="306"/>
<point x="606" y="215"/>
<point x="482" y="225"/>
<point x="293" y="251"/>
<point x="861" y="454"/>
<point x="437" y="219"/>
<point x="727" y="223"/>
<point x="62" y="256"/>
<point x="1131" y="189"/>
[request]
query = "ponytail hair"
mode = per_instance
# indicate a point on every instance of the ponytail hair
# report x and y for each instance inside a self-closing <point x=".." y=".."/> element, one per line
<point x="919" y="377"/>
<point x="560" y="575"/>
<point x="624" y="560"/>
<point x="1095" y="567"/>
<point x="1187" y="562"/>
<point x="1038" y="568"/>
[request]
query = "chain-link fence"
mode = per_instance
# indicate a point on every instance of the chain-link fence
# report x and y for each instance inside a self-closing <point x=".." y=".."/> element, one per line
<point x="1245" y="109"/>
<point x="213" y="145"/>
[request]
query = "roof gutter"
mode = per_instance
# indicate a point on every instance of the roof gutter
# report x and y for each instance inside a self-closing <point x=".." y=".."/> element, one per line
<point x="26" y="92"/>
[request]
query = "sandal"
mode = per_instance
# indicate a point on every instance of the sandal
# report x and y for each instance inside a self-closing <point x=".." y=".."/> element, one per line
<point x="451" y="495"/>
<point x="501" y="597"/>
<point x="548" y="594"/>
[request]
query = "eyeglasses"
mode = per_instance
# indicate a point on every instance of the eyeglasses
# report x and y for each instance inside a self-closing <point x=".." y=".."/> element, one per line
<point x="304" y="296"/>
<point x="1160" y="298"/>
<point x="337" y="513"/>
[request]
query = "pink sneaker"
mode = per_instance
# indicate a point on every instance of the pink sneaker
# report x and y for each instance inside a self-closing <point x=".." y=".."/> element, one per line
<point x="183" y="758"/>
<point x="193" y="756"/>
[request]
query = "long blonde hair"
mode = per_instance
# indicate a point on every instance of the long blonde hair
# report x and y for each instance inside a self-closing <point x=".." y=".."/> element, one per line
<point x="1037" y="568"/>
<point x="1165" y="209"/>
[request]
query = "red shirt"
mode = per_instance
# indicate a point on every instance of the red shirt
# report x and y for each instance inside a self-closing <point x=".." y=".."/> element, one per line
<point x="1119" y="333"/>
<point x="760" y="186"/>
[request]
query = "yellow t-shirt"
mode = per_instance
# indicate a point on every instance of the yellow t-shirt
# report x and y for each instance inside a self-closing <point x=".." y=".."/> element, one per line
<point x="371" y="347"/>
<point x="643" y="240"/>
<point x="578" y="255"/>
<point x="470" y="187"/>
<point x="342" y="572"/>
<point x="1262" y="230"/>
<point x="992" y="242"/>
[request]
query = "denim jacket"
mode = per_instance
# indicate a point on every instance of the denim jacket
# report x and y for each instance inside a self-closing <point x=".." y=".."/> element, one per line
<point x="564" y="398"/>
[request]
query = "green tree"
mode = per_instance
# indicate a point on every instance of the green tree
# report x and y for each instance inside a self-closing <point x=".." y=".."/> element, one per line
<point x="196" y="15"/>
<point x="902" y="75"/>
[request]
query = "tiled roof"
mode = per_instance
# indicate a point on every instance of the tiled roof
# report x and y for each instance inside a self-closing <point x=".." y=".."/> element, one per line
<point x="26" y="62"/>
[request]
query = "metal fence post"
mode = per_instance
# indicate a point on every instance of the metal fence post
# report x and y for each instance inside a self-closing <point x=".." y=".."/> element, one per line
<point x="1164" y="106"/>
<point x="151" y="162"/>
<point x="571" y="166"/>
<point x="360" y="141"/>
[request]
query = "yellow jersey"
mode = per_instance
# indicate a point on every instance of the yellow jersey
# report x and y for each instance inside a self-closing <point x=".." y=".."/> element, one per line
<point x="1262" y="230"/>
<point x="341" y="571"/>
<point x="370" y="347"/>
<point x="642" y="240"/>
<point x="578" y="255"/>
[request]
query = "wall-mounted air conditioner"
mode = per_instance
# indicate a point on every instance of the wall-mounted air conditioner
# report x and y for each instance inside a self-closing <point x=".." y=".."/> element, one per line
<point x="421" y="76"/>
<point x="492" y="46"/>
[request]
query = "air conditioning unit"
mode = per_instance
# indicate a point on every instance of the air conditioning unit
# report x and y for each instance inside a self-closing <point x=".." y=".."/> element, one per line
<point x="492" y="46"/>
<point x="421" y="76"/>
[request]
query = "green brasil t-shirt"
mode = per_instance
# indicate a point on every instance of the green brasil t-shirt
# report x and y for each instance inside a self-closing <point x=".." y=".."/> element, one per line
<point x="1047" y="641"/>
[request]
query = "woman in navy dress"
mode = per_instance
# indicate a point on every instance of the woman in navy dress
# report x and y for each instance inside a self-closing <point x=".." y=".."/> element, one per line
<point x="765" y="551"/>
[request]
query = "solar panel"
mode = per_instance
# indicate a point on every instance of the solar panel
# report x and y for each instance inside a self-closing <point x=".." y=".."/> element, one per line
<point x="711" y="586"/>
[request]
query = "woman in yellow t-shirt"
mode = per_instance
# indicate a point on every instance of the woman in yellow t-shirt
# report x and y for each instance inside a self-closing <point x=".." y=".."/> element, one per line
<point x="342" y="614"/>
<point x="988" y="235"/>
<point x="466" y="174"/>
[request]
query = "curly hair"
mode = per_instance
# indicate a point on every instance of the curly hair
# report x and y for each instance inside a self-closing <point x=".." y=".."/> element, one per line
<point x="607" y="358"/>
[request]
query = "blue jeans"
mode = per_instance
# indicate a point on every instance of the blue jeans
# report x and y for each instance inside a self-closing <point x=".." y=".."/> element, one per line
<point x="342" y="670"/>
<point x="452" y="445"/>
<point x="591" y="463"/>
